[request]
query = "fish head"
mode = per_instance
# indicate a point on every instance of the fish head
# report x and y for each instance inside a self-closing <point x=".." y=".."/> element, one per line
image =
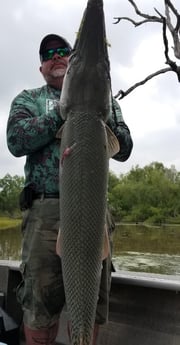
<point x="88" y="73"/>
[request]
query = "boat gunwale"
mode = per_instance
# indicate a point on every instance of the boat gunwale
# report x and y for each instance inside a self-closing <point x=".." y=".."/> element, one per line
<point x="149" y="280"/>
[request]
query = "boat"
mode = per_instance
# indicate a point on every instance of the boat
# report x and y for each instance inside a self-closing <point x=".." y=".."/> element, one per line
<point x="144" y="309"/>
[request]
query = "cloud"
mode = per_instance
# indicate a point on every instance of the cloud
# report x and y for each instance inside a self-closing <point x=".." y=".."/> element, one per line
<point x="151" y="111"/>
<point x="159" y="146"/>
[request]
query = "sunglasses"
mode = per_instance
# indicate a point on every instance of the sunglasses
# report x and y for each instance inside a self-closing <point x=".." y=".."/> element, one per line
<point x="48" y="54"/>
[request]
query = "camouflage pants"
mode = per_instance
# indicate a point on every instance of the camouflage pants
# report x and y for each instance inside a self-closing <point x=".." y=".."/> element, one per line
<point x="41" y="292"/>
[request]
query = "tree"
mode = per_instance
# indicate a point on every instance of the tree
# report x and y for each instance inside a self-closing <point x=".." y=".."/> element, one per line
<point x="148" y="194"/>
<point x="10" y="187"/>
<point x="167" y="25"/>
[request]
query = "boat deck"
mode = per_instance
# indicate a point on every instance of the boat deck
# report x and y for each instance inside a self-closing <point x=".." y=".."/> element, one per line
<point x="144" y="308"/>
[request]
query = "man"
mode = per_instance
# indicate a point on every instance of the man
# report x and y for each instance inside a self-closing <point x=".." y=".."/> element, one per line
<point x="33" y="123"/>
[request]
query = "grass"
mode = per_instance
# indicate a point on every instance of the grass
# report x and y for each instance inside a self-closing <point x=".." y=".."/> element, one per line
<point x="6" y="222"/>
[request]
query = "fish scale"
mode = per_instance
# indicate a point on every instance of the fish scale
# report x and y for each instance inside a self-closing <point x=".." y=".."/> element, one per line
<point x="85" y="107"/>
<point x="83" y="201"/>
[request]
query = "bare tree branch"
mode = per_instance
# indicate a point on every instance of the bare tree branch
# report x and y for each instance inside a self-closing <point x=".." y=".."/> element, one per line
<point x="139" y="13"/>
<point x="147" y="17"/>
<point x="121" y="94"/>
<point x="166" y="23"/>
<point x="174" y="31"/>
<point x="118" y="19"/>
<point x="171" y="6"/>
<point x="169" y="62"/>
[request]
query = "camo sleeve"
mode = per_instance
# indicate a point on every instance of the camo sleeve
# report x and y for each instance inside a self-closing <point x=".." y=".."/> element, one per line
<point x="29" y="127"/>
<point x="122" y="132"/>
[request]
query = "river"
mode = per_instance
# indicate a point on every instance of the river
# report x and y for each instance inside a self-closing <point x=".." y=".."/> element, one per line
<point x="135" y="248"/>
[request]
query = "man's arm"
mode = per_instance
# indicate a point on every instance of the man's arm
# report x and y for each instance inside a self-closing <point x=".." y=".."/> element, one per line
<point x="27" y="130"/>
<point x="122" y="132"/>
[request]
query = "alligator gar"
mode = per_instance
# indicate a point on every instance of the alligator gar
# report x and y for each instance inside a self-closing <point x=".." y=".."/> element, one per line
<point x="85" y="105"/>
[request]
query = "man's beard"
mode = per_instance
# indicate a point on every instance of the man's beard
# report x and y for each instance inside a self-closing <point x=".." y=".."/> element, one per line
<point x="55" y="76"/>
<point x="59" y="72"/>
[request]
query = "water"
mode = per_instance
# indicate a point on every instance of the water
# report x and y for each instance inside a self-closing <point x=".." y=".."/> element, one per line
<point x="147" y="249"/>
<point x="136" y="248"/>
<point x="10" y="244"/>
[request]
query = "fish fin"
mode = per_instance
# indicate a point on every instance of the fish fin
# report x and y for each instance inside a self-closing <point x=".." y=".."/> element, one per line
<point x="58" y="246"/>
<point x="113" y="143"/>
<point x="106" y="248"/>
<point x="59" y="132"/>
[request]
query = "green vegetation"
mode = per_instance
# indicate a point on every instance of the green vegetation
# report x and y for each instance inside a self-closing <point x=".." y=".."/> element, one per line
<point x="10" y="188"/>
<point x="143" y="195"/>
<point x="150" y="194"/>
<point x="7" y="223"/>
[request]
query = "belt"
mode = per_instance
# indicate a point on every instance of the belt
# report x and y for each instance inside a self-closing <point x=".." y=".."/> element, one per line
<point x="46" y="196"/>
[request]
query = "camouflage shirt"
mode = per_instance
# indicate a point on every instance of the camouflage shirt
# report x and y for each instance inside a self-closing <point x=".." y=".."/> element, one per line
<point x="33" y="122"/>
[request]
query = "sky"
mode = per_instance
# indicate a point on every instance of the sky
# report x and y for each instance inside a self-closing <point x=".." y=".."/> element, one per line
<point x="152" y="111"/>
